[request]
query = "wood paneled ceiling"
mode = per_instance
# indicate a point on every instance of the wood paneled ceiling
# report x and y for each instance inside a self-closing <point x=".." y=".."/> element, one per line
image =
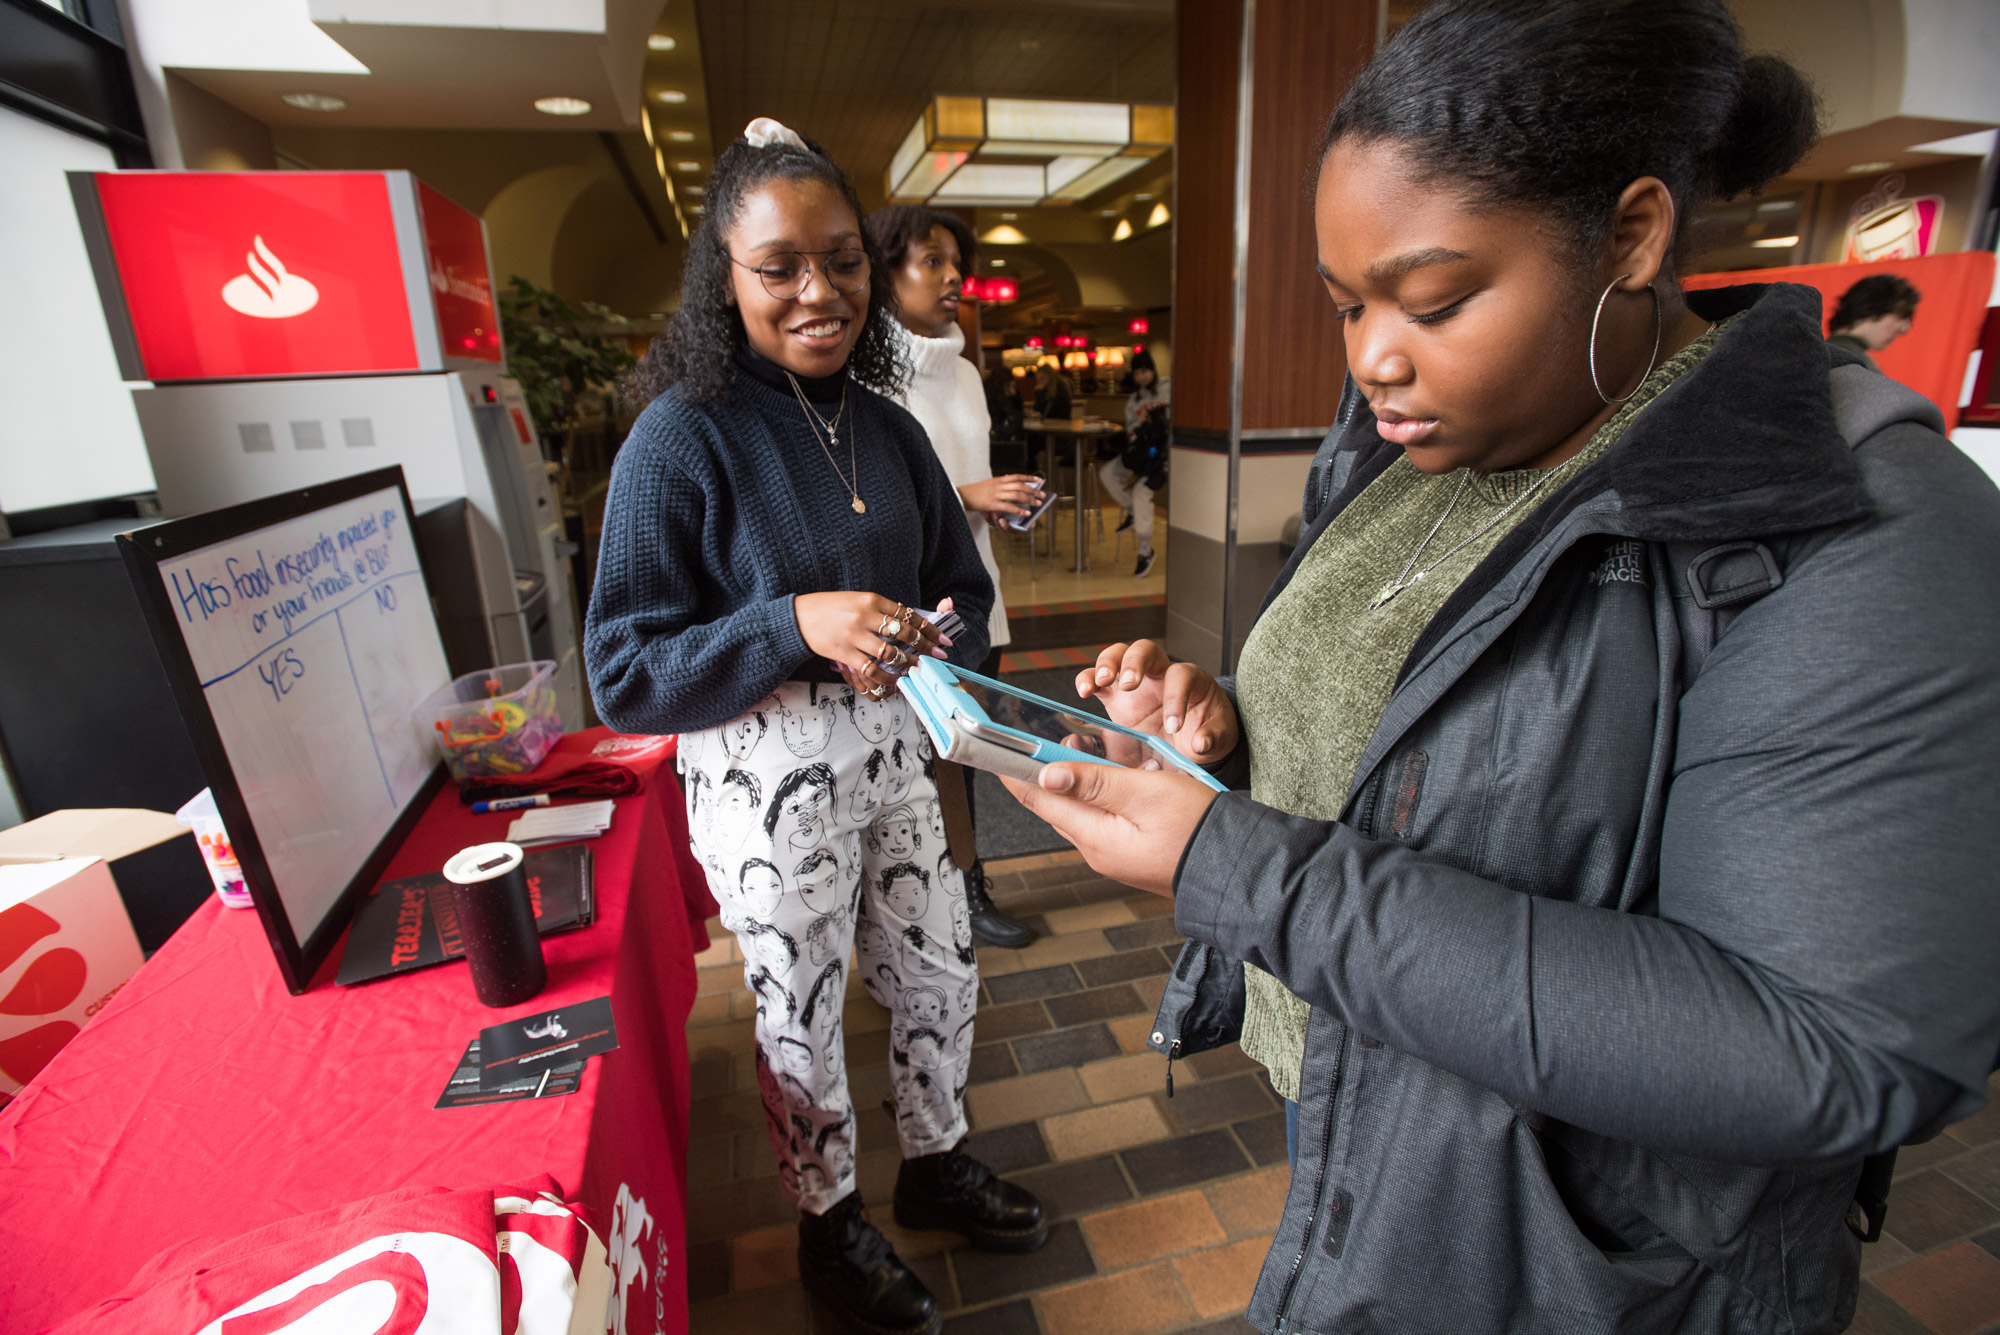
<point x="854" y="74"/>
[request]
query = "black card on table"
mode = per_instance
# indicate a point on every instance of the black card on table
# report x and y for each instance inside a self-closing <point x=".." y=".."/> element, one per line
<point x="463" y="1091"/>
<point x="535" y="1042"/>
<point x="411" y="923"/>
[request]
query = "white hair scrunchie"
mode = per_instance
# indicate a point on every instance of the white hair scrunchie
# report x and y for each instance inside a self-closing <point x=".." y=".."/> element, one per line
<point x="764" y="132"/>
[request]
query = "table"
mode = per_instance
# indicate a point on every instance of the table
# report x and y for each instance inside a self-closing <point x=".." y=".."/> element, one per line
<point x="204" y="1100"/>
<point x="1048" y="428"/>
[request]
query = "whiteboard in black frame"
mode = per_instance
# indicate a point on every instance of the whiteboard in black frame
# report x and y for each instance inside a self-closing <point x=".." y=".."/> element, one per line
<point x="298" y="635"/>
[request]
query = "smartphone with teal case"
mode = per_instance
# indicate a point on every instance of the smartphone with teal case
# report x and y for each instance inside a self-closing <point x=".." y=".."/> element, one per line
<point x="977" y="721"/>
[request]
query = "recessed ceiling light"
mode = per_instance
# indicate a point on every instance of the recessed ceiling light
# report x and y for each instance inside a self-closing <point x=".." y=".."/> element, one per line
<point x="1009" y="217"/>
<point x="697" y="208"/>
<point x="681" y="136"/>
<point x="1143" y="194"/>
<point x="659" y="41"/>
<point x="1123" y="230"/>
<point x="671" y="96"/>
<point x="1158" y="216"/>
<point x="687" y="166"/>
<point x="693" y="190"/>
<point x="1107" y="213"/>
<point x="1775" y="243"/>
<point x="1860" y="168"/>
<point x="562" y="106"/>
<point x="313" y="101"/>
<point x="999" y="264"/>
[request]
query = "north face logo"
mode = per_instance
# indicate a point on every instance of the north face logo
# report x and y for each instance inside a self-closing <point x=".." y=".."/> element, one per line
<point x="1624" y="563"/>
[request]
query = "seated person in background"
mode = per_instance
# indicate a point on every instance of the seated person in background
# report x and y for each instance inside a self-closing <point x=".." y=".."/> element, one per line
<point x="1872" y="314"/>
<point x="1051" y="393"/>
<point x="1141" y="469"/>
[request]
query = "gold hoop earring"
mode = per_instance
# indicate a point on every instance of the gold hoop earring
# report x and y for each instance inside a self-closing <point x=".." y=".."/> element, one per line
<point x="1658" y="321"/>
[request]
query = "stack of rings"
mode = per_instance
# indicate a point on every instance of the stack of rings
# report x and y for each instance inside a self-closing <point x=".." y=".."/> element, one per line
<point x="897" y="657"/>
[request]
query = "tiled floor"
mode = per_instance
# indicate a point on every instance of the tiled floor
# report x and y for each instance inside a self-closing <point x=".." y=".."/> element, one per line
<point x="1112" y="556"/>
<point x="1161" y="1209"/>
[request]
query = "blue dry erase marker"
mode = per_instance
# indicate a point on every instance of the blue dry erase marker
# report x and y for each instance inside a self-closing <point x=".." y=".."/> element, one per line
<point x="510" y="804"/>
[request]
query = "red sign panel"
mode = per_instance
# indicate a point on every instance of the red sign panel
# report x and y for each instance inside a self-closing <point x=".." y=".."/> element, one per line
<point x="255" y="274"/>
<point x="461" y="282"/>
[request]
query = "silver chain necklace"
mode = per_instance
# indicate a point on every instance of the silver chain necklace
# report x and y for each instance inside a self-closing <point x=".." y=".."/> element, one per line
<point x="815" y="422"/>
<point x="1407" y="580"/>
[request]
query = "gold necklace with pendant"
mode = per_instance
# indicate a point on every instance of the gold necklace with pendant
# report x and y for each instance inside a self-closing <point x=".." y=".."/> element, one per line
<point x="816" y="422"/>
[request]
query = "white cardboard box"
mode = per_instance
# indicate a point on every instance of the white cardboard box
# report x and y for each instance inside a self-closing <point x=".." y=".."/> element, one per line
<point x="66" y="944"/>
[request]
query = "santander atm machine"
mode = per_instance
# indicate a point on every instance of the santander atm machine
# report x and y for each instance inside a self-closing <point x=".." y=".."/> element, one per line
<point x="297" y="327"/>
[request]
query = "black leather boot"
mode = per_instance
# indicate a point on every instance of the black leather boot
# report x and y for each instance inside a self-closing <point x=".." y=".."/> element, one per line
<point x="991" y="927"/>
<point x="955" y="1191"/>
<point x="848" y="1265"/>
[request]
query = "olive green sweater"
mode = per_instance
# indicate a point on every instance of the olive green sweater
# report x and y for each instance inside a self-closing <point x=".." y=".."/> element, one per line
<point x="1320" y="664"/>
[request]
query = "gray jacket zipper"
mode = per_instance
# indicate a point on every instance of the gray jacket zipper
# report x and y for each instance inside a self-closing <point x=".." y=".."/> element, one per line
<point x="1319" y="1180"/>
<point x="1174" y="1048"/>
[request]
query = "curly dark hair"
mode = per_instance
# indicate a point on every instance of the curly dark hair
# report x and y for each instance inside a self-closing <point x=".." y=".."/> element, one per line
<point x="899" y="226"/>
<point x="1558" y="105"/>
<point x="695" y="354"/>
<point x="1874" y="296"/>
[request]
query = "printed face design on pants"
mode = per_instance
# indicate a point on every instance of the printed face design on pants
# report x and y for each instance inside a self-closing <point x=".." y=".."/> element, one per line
<point x="906" y="889"/>
<point x="926" y="1005"/>
<point x="819" y="882"/>
<point x="921" y="955"/>
<point x="741" y="734"/>
<point x="738" y="798"/>
<point x="871" y="718"/>
<point x="800" y="807"/>
<point x="868" y="788"/>
<point x="903" y="769"/>
<point x="894" y="834"/>
<point x="761" y="887"/>
<point x="934" y="817"/>
<point x="806" y="731"/>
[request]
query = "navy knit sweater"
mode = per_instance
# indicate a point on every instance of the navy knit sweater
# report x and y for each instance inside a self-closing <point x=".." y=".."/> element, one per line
<point x="719" y="514"/>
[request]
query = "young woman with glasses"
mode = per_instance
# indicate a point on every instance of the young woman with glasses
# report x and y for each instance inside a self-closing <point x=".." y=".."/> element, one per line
<point x="775" y="530"/>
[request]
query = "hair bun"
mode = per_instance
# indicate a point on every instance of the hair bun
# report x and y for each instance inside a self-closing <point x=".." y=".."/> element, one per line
<point x="1775" y="120"/>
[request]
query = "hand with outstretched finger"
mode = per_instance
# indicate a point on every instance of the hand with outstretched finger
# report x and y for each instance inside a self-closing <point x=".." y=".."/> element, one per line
<point x="1142" y="688"/>
<point x="1130" y="825"/>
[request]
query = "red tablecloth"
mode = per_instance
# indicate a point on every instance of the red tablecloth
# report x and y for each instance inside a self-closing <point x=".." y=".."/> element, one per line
<point x="205" y="1101"/>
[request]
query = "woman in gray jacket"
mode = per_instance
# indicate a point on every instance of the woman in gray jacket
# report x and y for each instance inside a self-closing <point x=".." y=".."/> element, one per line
<point x="1607" y="870"/>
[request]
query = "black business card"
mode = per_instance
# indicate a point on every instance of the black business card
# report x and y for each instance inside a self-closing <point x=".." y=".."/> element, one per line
<point x="463" y="1091"/>
<point x="533" y="1043"/>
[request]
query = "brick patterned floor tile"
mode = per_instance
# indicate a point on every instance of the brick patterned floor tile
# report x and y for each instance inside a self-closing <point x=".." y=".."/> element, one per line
<point x="991" y="1061"/>
<point x="998" y="962"/>
<point x="1149" y="990"/>
<point x="1229" y="1325"/>
<point x="1071" y="1189"/>
<point x="1911" y="1159"/>
<point x="1220" y="1279"/>
<point x="1025" y="1098"/>
<point x="736" y="1036"/>
<point x="1146" y="932"/>
<point x="1882" y="1253"/>
<point x="1184" y="1161"/>
<point x="1011" y="1021"/>
<point x="875" y="1127"/>
<point x="1150" y="906"/>
<point x="721" y="950"/>
<point x="708" y="1270"/>
<point x="985" y="1276"/>
<point x="1954" y="1292"/>
<point x="910" y="1243"/>
<point x="1264" y="1137"/>
<point x="1150" y="1229"/>
<point x="934" y="1269"/>
<point x="875" y="1173"/>
<point x="1026" y="901"/>
<point x="711" y="1009"/>
<point x="765" y="1256"/>
<point x="1014" y="1318"/>
<point x="709" y="1161"/>
<point x="867" y="1049"/>
<point x="725" y="1114"/>
<point x="1252" y="1203"/>
<point x="737" y="1207"/>
<point x="1132" y="1303"/>
<point x="750" y="1155"/>
<point x="755" y="1312"/>
<point x="1127" y="1077"/>
<point x="1100" y="890"/>
<point x="1069" y="871"/>
<point x="1099" y="1003"/>
<point x="711" y="1074"/>
<point x="863" y="1016"/>
<point x="1978" y="1172"/>
<point x="1983" y="1127"/>
<point x="1009" y="1149"/>
<point x="1031" y="984"/>
<point x="1209" y="1103"/>
<point x="720" y="978"/>
<point x="1131" y="1031"/>
<point x="1225" y="1060"/>
<point x="743" y="1005"/>
<point x="1063" y="949"/>
<point x="1929" y="1210"/>
<point x="1064" y="1047"/>
<point x="1876" y="1314"/>
<point x="1121" y="968"/>
<point x="1085" y="917"/>
<point x="1104" y="1129"/>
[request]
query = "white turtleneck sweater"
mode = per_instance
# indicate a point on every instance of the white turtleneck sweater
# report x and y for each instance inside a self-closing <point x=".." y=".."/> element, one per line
<point x="948" y="401"/>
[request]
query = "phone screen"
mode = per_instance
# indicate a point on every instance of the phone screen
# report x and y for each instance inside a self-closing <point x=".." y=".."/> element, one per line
<point x="1022" y="523"/>
<point x="1078" y="729"/>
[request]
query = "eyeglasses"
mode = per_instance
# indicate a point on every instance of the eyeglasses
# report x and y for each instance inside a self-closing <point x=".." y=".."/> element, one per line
<point x="788" y="273"/>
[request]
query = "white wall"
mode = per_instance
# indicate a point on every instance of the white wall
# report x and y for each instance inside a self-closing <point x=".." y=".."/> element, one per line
<point x="68" y="431"/>
<point x="1952" y="49"/>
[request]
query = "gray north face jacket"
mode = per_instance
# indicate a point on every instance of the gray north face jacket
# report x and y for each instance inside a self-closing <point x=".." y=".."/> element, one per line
<point x="1629" y="947"/>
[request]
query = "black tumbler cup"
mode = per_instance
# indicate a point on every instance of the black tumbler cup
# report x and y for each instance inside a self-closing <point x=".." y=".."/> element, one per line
<point x="497" y="923"/>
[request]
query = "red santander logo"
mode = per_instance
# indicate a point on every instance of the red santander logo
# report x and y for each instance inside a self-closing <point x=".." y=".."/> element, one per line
<point x="268" y="291"/>
<point x="49" y="985"/>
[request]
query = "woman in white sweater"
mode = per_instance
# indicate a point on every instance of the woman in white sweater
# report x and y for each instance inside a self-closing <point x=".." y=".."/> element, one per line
<point x="929" y="253"/>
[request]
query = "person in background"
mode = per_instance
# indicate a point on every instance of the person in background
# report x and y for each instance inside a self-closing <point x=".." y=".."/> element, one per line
<point x="1141" y="468"/>
<point x="1051" y="392"/>
<point x="774" y="522"/>
<point x="1614" y="884"/>
<point x="928" y="253"/>
<point x="1872" y="314"/>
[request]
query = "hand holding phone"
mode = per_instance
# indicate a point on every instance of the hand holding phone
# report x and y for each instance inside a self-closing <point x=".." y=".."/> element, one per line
<point x="1043" y="500"/>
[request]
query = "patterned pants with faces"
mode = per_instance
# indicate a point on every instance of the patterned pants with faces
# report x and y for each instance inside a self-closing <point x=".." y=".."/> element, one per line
<point x="817" y="817"/>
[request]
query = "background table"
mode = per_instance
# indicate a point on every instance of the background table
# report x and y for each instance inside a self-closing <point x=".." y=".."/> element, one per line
<point x="1048" y="428"/>
<point x="205" y="1101"/>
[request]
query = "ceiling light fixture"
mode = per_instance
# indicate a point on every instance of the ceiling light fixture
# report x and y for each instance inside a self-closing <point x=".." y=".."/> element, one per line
<point x="681" y="136"/>
<point x="687" y="166"/>
<point x="1004" y="235"/>
<point x="646" y="124"/>
<point x="1123" y="231"/>
<point x="1107" y="213"/>
<point x="694" y="190"/>
<point x="1009" y="217"/>
<point x="671" y="96"/>
<point x="1863" y="168"/>
<point x="659" y="41"/>
<point x="313" y="101"/>
<point x="969" y="151"/>
<point x="1775" y="243"/>
<point x="1143" y="196"/>
<point x="1159" y="217"/>
<point x="562" y="106"/>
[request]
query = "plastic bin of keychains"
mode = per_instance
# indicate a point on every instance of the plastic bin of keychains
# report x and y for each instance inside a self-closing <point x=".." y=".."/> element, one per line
<point x="500" y="721"/>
